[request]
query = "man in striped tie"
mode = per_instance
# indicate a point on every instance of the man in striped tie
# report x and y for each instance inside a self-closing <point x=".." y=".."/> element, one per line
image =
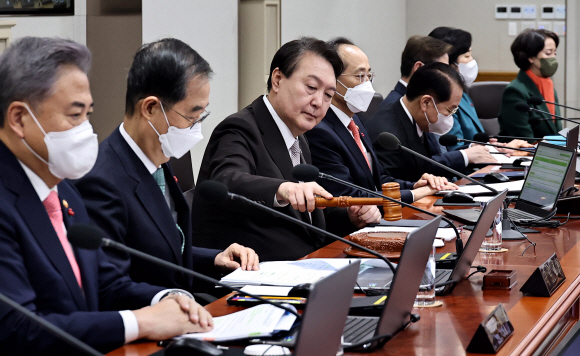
<point x="45" y="138"/>
<point x="340" y="144"/>
<point x="132" y="193"/>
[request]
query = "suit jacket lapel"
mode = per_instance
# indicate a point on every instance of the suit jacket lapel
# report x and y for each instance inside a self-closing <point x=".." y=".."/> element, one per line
<point x="413" y="139"/>
<point x="36" y="218"/>
<point x="272" y="138"/>
<point x="148" y="193"/>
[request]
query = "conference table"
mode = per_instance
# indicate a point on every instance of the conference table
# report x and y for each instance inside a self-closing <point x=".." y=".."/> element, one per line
<point x="539" y="322"/>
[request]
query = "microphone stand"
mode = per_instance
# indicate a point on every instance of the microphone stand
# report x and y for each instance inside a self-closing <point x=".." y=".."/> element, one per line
<point x="53" y="329"/>
<point x="556" y="116"/>
<point x="490" y="144"/>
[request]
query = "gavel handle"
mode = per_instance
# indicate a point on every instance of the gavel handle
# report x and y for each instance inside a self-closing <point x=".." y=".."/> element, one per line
<point x="346" y="202"/>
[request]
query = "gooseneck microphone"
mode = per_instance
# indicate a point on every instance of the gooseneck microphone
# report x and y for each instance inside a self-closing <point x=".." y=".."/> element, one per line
<point x="217" y="192"/>
<point x="452" y="140"/>
<point x="525" y="108"/>
<point x="51" y="328"/>
<point x="391" y="142"/>
<point x="91" y="237"/>
<point x="309" y="173"/>
<point x="536" y="100"/>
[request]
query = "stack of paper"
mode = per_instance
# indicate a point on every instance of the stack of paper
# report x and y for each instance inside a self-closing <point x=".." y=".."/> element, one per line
<point x="513" y="187"/>
<point x="260" y="321"/>
<point x="292" y="273"/>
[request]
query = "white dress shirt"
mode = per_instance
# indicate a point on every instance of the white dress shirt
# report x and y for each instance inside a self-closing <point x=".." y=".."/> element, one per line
<point x="286" y="135"/>
<point x="345" y="120"/>
<point x="420" y="132"/>
<point x="403" y="82"/>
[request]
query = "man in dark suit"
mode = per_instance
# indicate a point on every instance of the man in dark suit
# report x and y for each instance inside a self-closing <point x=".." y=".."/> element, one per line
<point x="253" y="153"/>
<point x="131" y="192"/>
<point x="340" y="144"/>
<point x="419" y="50"/>
<point x="45" y="137"/>
<point x="433" y="96"/>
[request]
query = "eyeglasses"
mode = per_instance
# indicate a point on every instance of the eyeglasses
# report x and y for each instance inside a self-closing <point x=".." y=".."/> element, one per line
<point x="199" y="120"/>
<point x="363" y="77"/>
<point x="451" y="112"/>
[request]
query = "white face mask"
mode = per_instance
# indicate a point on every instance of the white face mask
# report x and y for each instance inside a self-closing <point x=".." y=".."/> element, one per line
<point x="71" y="153"/>
<point x="176" y="142"/>
<point x="358" y="98"/>
<point x="443" y="125"/>
<point x="468" y="71"/>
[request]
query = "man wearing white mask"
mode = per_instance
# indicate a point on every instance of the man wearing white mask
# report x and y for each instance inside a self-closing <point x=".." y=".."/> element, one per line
<point x="340" y="144"/>
<point x="45" y="138"/>
<point x="132" y="194"/>
<point x="426" y="110"/>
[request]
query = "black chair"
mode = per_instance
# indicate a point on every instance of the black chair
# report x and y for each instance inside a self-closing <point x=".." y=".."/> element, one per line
<point x="486" y="97"/>
<point x="373" y="107"/>
<point x="184" y="173"/>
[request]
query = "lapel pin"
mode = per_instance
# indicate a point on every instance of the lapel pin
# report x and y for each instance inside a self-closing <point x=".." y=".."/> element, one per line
<point x="65" y="203"/>
<point x="174" y="177"/>
<point x="70" y="212"/>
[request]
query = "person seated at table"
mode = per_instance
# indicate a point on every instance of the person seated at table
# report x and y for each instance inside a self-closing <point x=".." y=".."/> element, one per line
<point x="418" y="51"/>
<point x="131" y="192"/>
<point x="465" y="121"/>
<point x="340" y="144"/>
<point x="417" y="118"/>
<point x="45" y="139"/>
<point x="534" y="53"/>
<point x="254" y="151"/>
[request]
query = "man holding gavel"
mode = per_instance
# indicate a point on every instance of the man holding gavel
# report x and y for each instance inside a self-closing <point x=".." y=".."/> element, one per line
<point x="340" y="145"/>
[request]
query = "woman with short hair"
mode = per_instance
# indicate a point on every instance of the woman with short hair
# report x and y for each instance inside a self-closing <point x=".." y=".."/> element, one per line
<point x="534" y="53"/>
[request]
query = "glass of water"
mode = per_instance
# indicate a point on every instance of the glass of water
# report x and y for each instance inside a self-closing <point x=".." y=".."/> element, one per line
<point x="426" y="295"/>
<point x="493" y="242"/>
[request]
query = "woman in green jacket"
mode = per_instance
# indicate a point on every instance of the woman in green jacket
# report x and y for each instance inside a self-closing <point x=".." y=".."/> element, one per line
<point x="534" y="53"/>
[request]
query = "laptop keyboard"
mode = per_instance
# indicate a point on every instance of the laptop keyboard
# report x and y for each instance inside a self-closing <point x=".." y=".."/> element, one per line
<point x="518" y="215"/>
<point x="358" y="328"/>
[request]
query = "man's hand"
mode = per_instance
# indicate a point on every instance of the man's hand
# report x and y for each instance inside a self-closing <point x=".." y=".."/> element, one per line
<point x="301" y="195"/>
<point x="236" y="256"/>
<point x="479" y="154"/>
<point x="173" y="316"/>
<point x="362" y="215"/>
<point x="432" y="181"/>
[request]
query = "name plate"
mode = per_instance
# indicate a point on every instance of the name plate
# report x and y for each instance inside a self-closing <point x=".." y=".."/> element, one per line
<point x="492" y="333"/>
<point x="546" y="279"/>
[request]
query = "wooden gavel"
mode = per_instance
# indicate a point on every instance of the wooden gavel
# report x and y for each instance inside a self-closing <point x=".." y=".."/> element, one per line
<point x="392" y="211"/>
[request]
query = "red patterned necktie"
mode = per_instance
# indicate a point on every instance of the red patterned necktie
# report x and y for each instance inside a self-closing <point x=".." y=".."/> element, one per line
<point x="52" y="206"/>
<point x="356" y="134"/>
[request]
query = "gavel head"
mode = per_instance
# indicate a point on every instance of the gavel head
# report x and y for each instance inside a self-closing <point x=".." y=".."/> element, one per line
<point x="392" y="211"/>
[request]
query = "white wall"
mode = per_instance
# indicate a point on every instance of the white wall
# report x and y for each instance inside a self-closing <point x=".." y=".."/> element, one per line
<point x="376" y="26"/>
<point x="71" y="27"/>
<point x="211" y="28"/>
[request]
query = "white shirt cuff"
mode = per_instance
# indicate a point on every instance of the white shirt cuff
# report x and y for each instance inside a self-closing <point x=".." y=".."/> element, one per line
<point x="131" y="325"/>
<point x="161" y="294"/>
<point x="277" y="204"/>
<point x="465" y="159"/>
<point x="412" y="195"/>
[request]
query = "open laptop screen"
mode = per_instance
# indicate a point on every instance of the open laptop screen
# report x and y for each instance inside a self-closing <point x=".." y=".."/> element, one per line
<point x="546" y="175"/>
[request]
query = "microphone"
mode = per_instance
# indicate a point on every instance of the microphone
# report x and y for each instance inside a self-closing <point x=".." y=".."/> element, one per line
<point x="217" y="192"/>
<point x="515" y="137"/>
<point x="91" y="237"/>
<point x="53" y="329"/>
<point x="536" y="100"/>
<point x="452" y="140"/>
<point x="525" y="108"/>
<point x="391" y="142"/>
<point x="309" y="173"/>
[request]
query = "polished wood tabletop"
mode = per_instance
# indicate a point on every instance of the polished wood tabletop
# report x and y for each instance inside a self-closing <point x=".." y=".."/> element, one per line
<point x="539" y="322"/>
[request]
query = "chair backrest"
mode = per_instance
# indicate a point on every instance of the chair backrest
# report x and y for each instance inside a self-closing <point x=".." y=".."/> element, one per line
<point x="183" y="171"/>
<point x="486" y="98"/>
<point x="373" y="107"/>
